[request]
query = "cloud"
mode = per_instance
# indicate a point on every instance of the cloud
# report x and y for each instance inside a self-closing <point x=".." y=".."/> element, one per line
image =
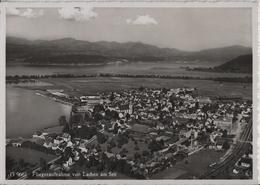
<point x="13" y="11"/>
<point x="77" y="14"/>
<point x="28" y="12"/>
<point x="142" y="20"/>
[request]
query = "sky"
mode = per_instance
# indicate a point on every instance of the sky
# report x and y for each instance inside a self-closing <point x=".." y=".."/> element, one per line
<point x="190" y="29"/>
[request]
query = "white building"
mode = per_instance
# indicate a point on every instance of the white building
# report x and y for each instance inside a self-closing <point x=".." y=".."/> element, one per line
<point x="224" y="123"/>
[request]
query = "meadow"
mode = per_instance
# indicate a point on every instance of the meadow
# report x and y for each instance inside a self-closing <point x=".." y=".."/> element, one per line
<point x="94" y="85"/>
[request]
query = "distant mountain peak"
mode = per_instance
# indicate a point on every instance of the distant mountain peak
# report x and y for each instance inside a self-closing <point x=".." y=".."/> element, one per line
<point x="65" y="39"/>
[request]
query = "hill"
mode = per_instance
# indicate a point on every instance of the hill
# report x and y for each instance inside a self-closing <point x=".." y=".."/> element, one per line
<point x="56" y="51"/>
<point x="241" y="64"/>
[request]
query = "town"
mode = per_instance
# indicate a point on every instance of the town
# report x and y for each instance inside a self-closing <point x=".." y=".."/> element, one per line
<point x="140" y="132"/>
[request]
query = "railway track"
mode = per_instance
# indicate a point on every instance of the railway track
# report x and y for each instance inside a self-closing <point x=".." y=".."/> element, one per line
<point x="230" y="160"/>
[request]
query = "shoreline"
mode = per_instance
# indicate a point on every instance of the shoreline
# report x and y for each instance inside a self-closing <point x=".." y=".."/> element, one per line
<point x="30" y="136"/>
<point x="17" y="79"/>
<point x="38" y="93"/>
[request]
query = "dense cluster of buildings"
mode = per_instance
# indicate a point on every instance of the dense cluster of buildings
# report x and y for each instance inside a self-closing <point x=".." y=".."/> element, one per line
<point x="142" y="131"/>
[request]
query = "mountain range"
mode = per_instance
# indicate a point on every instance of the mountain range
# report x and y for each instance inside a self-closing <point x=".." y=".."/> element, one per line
<point x="70" y="51"/>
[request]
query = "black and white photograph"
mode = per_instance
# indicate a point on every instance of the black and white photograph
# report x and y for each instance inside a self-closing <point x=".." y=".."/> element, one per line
<point x="149" y="93"/>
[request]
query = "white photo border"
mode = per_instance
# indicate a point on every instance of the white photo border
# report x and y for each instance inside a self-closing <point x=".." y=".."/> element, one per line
<point x="152" y="4"/>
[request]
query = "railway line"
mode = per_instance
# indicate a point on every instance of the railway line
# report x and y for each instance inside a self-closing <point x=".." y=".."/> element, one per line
<point x="230" y="160"/>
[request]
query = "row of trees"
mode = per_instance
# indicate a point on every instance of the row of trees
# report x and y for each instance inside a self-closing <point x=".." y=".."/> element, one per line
<point x="10" y="79"/>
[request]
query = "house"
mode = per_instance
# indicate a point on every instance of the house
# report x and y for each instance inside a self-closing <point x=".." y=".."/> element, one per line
<point x="38" y="141"/>
<point x="138" y="128"/>
<point x="63" y="145"/>
<point x="195" y="134"/>
<point x="120" y="115"/>
<point x="47" y="144"/>
<point x="66" y="137"/>
<point x="83" y="148"/>
<point x="235" y="171"/>
<point x="245" y="162"/>
<point x="54" y="90"/>
<point x="225" y="123"/>
<point x="212" y="138"/>
<point x="76" y="155"/>
<point x="203" y="100"/>
<point x="92" y="99"/>
<point x="160" y="126"/>
<point x="194" y="143"/>
<point x="38" y="134"/>
<point x="60" y="94"/>
<point x="83" y="108"/>
<point x="109" y="155"/>
<point x="57" y="141"/>
<point x="219" y="145"/>
<point x="153" y="134"/>
<point x="54" y="146"/>
<point x="164" y="138"/>
<point x="127" y="108"/>
<point x="184" y="133"/>
<point x="17" y="144"/>
<point x="69" y="144"/>
<point x="68" y="163"/>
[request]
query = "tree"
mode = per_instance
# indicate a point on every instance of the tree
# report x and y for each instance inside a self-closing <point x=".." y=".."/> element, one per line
<point x="127" y="116"/>
<point x="116" y="127"/>
<point x="62" y="120"/>
<point x="43" y="164"/>
<point x="234" y="119"/>
<point x="21" y="163"/>
<point x="122" y="139"/>
<point x="10" y="164"/>
<point x="114" y="114"/>
<point x="98" y="117"/>
<point x="112" y="143"/>
<point x="155" y="146"/>
<point x="101" y="138"/>
<point x="224" y="133"/>
<point x="196" y="105"/>
<point x="66" y="128"/>
<point x="112" y="97"/>
<point x="226" y="145"/>
<point x="98" y="108"/>
<point x="141" y="88"/>
<point x="164" y="90"/>
<point x="145" y="153"/>
<point x="137" y="156"/>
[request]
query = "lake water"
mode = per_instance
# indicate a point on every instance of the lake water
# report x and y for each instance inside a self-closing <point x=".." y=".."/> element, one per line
<point x="128" y="67"/>
<point x="27" y="112"/>
<point x="135" y="68"/>
<point x="172" y="68"/>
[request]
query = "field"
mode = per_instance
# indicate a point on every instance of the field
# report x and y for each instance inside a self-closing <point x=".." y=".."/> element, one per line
<point x="94" y="85"/>
<point x="194" y="168"/>
<point x="28" y="155"/>
<point x="130" y="146"/>
<point x="53" y="129"/>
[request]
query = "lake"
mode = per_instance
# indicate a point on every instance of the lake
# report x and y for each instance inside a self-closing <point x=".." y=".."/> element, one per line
<point x="27" y="112"/>
<point x="164" y="68"/>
